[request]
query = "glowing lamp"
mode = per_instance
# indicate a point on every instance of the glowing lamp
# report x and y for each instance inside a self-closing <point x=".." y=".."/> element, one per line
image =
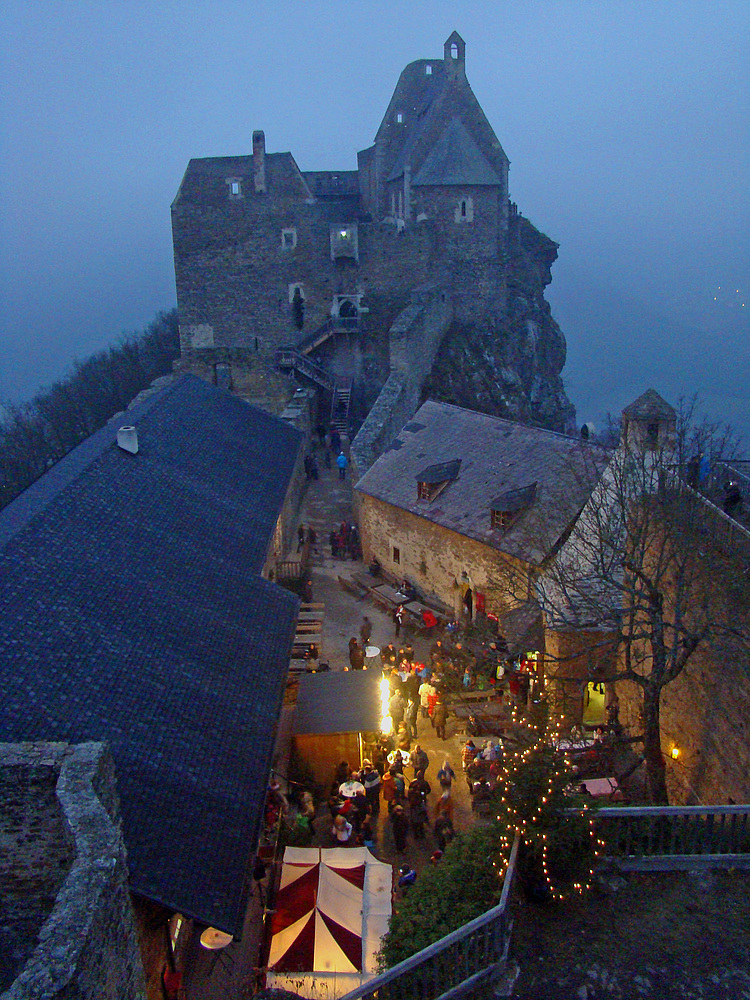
<point x="675" y="753"/>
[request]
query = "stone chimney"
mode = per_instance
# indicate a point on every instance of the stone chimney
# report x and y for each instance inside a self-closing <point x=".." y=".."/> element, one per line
<point x="259" y="161"/>
<point x="127" y="439"/>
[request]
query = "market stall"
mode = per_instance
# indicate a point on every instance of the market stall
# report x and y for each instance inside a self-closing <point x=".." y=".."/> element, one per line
<point x="331" y="910"/>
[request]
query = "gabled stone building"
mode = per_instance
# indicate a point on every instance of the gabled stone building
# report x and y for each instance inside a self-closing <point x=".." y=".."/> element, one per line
<point x="469" y="507"/>
<point x="327" y="264"/>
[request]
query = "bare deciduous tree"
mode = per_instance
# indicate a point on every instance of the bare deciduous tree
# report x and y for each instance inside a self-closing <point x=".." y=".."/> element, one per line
<point x="653" y="569"/>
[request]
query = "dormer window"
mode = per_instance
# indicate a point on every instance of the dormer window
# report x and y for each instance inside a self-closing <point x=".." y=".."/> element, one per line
<point x="428" y="70"/>
<point x="400" y="117"/>
<point x="502" y="519"/>
<point x="508" y="507"/>
<point x="454" y="51"/>
<point x="434" y="479"/>
<point x="344" y="241"/>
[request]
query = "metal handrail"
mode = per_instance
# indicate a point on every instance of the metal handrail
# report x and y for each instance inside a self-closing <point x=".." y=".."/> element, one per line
<point x="390" y="985"/>
<point x="670" y="835"/>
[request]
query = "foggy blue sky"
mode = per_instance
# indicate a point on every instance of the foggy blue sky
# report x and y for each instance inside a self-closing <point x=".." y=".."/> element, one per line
<point x="626" y="125"/>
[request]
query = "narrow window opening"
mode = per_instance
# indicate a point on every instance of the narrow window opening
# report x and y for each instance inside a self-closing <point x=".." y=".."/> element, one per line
<point x="399" y="117"/>
<point x="454" y="51"/>
<point x="502" y="519"/>
<point x="428" y="70"/>
<point x="463" y="209"/>
<point x="397" y="555"/>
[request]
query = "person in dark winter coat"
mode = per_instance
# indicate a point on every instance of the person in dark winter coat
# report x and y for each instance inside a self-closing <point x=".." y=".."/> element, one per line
<point x="443" y="830"/>
<point x="420" y="760"/>
<point x="440" y="717"/>
<point x="398" y="619"/>
<point x="400" y="827"/>
<point x="365" y="630"/>
<point x="371" y="780"/>
<point x="356" y="654"/>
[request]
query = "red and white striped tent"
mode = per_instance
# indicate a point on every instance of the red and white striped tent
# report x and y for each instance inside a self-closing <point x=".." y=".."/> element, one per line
<point x="332" y="909"/>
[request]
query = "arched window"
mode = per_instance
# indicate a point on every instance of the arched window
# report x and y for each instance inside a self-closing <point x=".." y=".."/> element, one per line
<point x="454" y="51"/>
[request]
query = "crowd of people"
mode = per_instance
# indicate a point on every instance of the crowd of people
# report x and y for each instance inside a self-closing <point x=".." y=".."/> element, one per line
<point x="356" y="796"/>
<point x="344" y="541"/>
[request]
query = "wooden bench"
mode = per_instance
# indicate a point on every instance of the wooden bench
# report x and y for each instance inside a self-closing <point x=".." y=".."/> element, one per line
<point x="309" y="627"/>
<point x="472" y="697"/>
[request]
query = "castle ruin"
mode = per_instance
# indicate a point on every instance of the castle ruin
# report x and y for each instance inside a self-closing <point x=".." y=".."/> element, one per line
<point x="417" y="262"/>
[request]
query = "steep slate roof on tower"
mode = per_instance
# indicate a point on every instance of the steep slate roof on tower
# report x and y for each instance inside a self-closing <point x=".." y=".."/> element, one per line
<point x="649" y="405"/>
<point x="132" y="611"/>
<point x="497" y="456"/>
<point x="456" y="159"/>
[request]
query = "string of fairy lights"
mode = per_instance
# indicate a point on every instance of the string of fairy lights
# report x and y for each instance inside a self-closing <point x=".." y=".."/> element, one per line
<point x="535" y="824"/>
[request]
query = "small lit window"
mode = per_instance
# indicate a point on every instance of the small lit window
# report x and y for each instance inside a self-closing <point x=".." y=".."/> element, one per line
<point x="396" y="555"/>
<point x="502" y="519"/>
<point x="428" y="70"/>
<point x="400" y="117"/>
<point x="289" y="239"/>
<point x="423" y="491"/>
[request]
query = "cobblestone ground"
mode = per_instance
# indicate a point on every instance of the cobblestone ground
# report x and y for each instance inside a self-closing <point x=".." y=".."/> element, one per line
<point x="327" y="503"/>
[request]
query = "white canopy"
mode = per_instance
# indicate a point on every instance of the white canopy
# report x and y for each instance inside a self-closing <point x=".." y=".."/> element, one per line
<point x="332" y="909"/>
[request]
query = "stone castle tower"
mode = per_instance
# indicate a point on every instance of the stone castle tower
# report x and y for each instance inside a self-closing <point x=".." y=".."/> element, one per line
<point x="287" y="276"/>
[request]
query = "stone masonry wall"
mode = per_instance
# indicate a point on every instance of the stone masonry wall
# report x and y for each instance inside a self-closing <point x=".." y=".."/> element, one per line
<point x="71" y="932"/>
<point x="433" y="558"/>
<point x="705" y="713"/>
<point x="414" y="340"/>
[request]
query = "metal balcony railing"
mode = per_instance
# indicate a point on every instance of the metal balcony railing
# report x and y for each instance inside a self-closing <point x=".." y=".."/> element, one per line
<point x="457" y="964"/>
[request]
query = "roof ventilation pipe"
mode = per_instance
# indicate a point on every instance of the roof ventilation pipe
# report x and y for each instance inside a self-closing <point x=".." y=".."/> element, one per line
<point x="127" y="439"/>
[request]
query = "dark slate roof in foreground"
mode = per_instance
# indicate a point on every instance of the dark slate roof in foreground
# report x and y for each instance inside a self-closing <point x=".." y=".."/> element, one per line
<point x="338" y="702"/>
<point x="132" y="611"/>
<point x="497" y="457"/>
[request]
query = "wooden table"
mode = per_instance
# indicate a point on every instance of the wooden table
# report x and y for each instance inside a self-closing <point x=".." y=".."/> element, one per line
<point x="601" y="787"/>
<point x="389" y="593"/>
<point x="488" y="710"/>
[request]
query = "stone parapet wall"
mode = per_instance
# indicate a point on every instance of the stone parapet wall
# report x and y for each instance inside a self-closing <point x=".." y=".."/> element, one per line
<point x="414" y="340"/>
<point x="60" y="836"/>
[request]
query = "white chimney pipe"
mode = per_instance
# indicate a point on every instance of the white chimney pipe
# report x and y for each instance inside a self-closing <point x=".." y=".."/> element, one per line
<point x="127" y="439"/>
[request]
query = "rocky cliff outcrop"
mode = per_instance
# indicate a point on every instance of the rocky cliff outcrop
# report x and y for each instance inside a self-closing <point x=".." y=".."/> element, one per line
<point x="511" y="370"/>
